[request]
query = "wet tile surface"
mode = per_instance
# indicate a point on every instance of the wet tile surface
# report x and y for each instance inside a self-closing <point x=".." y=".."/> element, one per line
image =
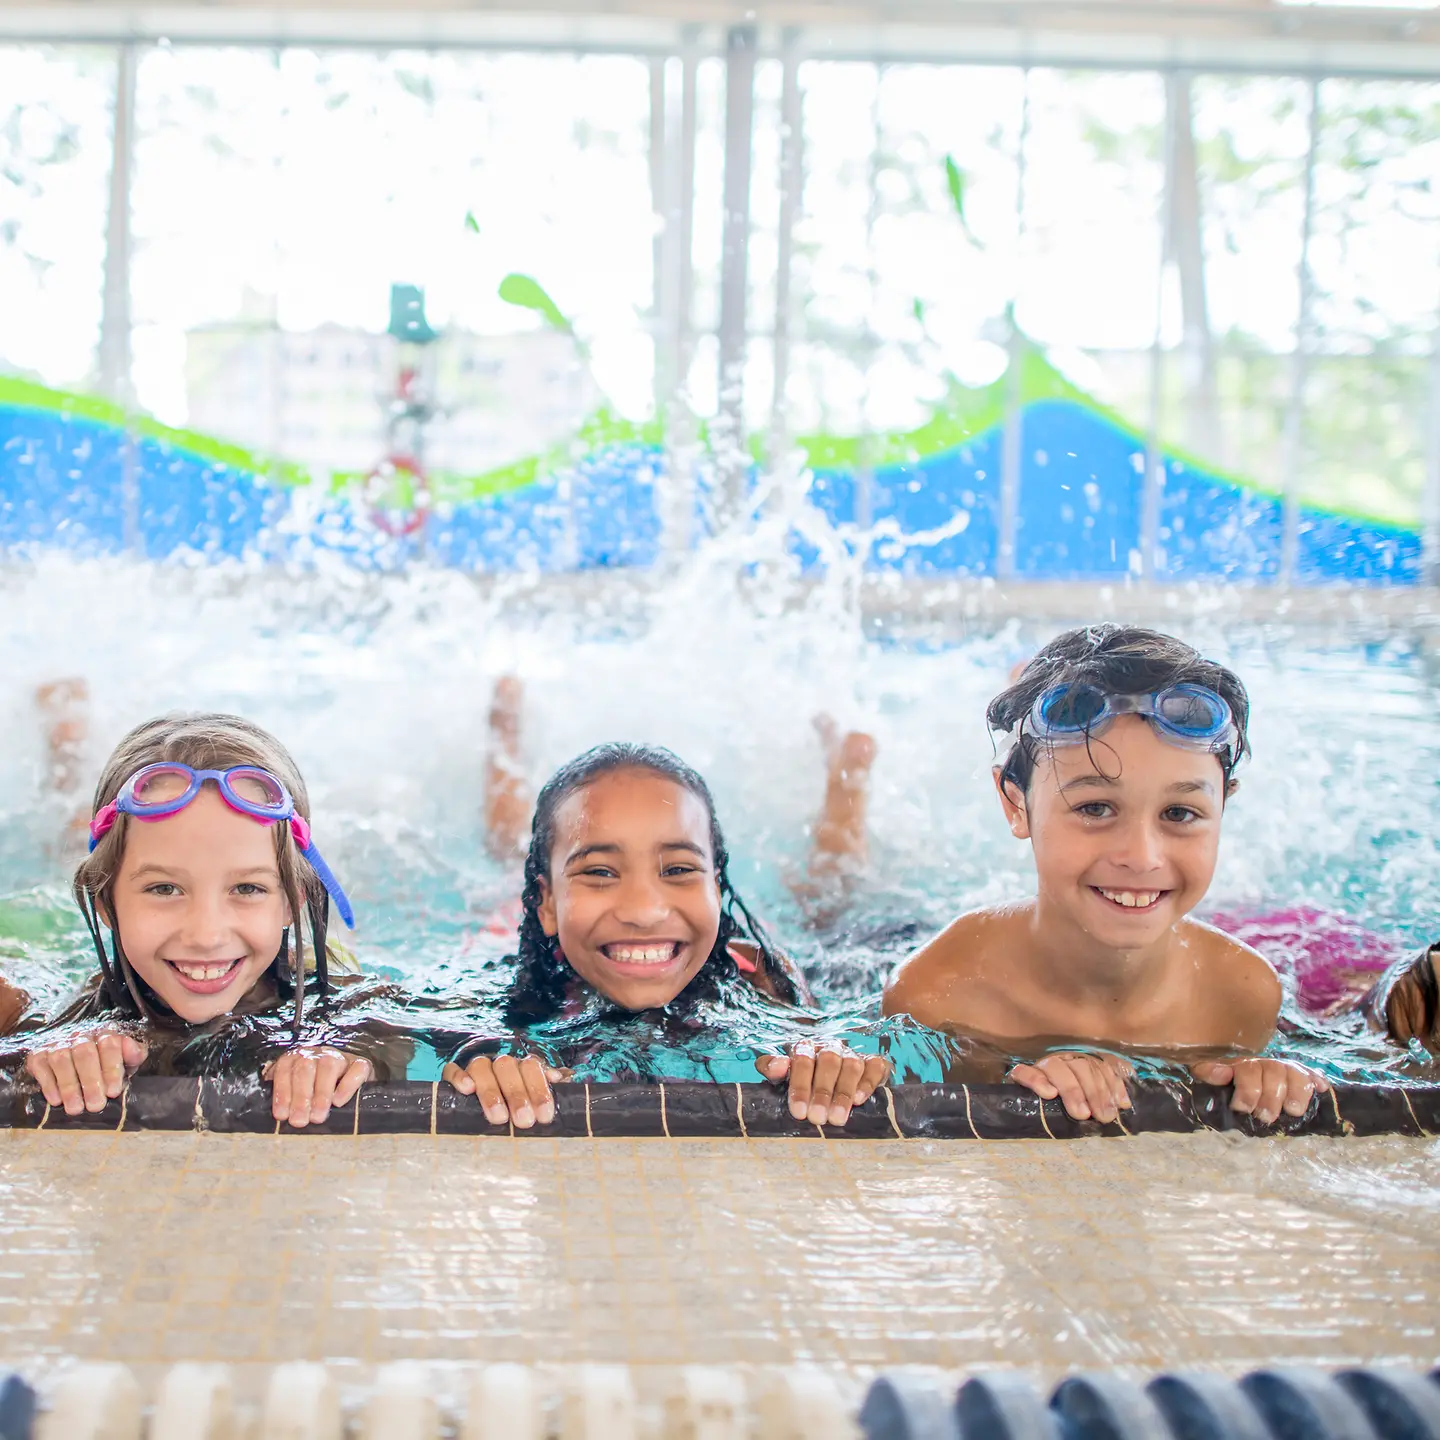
<point x="1157" y="1252"/>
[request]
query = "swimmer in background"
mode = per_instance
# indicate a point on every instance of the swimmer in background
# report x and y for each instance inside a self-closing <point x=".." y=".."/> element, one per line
<point x="1405" y="1001"/>
<point x="202" y="871"/>
<point x="628" y="908"/>
<point x="507" y="790"/>
<point x="63" y="709"/>
<point x="64" y="713"/>
<point x="1122" y="755"/>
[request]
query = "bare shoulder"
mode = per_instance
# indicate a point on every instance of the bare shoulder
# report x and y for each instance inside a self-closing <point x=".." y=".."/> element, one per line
<point x="1241" y="982"/>
<point x="926" y="983"/>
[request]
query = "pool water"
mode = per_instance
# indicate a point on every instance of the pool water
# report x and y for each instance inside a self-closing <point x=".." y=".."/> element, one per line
<point x="380" y="686"/>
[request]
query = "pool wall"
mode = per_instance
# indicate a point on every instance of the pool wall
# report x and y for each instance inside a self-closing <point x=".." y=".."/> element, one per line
<point x="78" y="475"/>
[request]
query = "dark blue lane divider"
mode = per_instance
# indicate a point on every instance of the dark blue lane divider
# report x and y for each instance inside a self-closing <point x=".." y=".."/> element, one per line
<point x="17" y="1408"/>
<point x="1278" y="1404"/>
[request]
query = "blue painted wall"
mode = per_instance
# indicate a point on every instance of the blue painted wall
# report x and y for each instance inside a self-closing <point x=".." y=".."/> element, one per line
<point x="62" y="485"/>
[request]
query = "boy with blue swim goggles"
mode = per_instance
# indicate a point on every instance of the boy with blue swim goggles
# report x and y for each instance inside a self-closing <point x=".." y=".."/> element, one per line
<point x="157" y="791"/>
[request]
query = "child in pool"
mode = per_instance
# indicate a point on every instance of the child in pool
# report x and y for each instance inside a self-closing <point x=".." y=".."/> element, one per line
<point x="200" y="868"/>
<point x="1123" y="754"/>
<point x="627" y="899"/>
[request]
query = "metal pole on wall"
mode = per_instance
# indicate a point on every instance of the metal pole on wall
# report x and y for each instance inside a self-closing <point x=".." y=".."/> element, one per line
<point x="685" y="208"/>
<point x="660" y="288"/>
<point x="1299" y="364"/>
<point x="1154" y="486"/>
<point x="731" y="455"/>
<point x="115" y="319"/>
<point x="1005" y="557"/>
<point x="1430" y="500"/>
<point x="792" y="188"/>
<point x="674" y="343"/>
<point x="114" y="356"/>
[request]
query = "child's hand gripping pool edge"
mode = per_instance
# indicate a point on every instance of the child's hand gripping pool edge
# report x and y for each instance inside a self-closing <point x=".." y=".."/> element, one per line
<point x="308" y="1081"/>
<point x="86" y="1071"/>
<point x="1090" y="1086"/>
<point x="511" y="1089"/>
<point x="1264" y="1086"/>
<point x="826" y="1081"/>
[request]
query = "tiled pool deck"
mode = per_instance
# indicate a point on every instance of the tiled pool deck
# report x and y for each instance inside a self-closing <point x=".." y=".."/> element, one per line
<point x="1155" y="1252"/>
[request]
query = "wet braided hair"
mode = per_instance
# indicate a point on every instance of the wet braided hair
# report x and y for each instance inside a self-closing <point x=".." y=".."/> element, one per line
<point x="538" y="990"/>
<point x="1119" y="660"/>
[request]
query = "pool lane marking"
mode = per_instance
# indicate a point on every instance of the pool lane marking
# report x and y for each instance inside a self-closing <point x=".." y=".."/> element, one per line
<point x="124" y="1106"/>
<point x="664" y="1119"/>
<point x="434" y="1103"/>
<point x="590" y="1133"/>
<point x="356" y="1098"/>
<point x="740" y="1111"/>
<point x="1346" y="1128"/>
<point x="890" y="1111"/>
<point x="197" y="1116"/>
<point x="969" y="1118"/>
<point x="1044" y="1119"/>
<point x="44" y="1118"/>
<point x="1413" y="1115"/>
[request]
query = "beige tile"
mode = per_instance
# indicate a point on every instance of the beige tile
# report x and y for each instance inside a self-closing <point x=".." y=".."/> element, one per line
<point x="1165" y="1251"/>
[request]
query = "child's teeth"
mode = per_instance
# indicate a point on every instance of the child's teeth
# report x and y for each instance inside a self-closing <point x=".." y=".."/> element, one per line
<point x="638" y="955"/>
<point x="1132" y="899"/>
<point x="204" y="972"/>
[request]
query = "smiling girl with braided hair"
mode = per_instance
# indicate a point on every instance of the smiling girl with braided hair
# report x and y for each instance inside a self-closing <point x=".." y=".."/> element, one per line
<point x="628" y="908"/>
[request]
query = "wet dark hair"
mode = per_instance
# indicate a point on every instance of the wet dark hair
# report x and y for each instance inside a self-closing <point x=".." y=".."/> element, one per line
<point x="538" y="990"/>
<point x="1119" y="660"/>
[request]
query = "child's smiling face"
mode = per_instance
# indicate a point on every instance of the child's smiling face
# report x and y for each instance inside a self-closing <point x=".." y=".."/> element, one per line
<point x="199" y="905"/>
<point x="1126" y="831"/>
<point x="632" y="896"/>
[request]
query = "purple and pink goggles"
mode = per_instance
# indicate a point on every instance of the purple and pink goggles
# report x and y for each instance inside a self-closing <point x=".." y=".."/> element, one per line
<point x="156" y="791"/>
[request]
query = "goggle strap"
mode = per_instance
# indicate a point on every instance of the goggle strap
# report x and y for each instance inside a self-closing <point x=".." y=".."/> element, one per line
<point x="331" y="884"/>
<point x="101" y="824"/>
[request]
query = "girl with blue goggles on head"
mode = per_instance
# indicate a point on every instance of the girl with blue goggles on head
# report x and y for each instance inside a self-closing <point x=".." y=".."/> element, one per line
<point x="1121" y="747"/>
<point x="201" y="880"/>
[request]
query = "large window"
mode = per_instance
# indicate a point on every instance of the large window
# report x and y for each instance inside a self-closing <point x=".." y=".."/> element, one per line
<point x="1144" y="234"/>
<point x="55" y="114"/>
<point x="279" y="194"/>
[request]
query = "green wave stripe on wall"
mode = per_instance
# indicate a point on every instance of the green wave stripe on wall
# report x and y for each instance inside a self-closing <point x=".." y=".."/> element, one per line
<point x="968" y="412"/>
<point x="963" y="417"/>
<point x="600" y="431"/>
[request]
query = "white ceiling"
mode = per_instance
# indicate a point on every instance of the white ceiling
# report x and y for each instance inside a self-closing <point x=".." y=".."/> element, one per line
<point x="1125" y="33"/>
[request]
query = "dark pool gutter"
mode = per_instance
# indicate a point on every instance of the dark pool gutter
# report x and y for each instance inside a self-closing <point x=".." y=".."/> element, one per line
<point x="686" y="1110"/>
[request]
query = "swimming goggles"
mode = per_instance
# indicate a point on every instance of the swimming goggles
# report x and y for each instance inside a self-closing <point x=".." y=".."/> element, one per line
<point x="157" y="791"/>
<point x="1190" y="716"/>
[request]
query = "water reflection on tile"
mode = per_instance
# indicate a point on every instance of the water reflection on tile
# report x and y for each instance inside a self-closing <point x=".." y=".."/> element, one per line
<point x="1163" y="1251"/>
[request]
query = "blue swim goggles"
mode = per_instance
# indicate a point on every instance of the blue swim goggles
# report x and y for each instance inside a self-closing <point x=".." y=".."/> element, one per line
<point x="1190" y="716"/>
<point x="156" y="791"/>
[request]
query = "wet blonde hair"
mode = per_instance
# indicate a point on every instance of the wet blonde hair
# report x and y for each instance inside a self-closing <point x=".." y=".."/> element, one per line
<point x="204" y="741"/>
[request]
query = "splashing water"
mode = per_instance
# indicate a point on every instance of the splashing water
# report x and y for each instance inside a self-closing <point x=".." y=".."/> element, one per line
<point x="380" y="686"/>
